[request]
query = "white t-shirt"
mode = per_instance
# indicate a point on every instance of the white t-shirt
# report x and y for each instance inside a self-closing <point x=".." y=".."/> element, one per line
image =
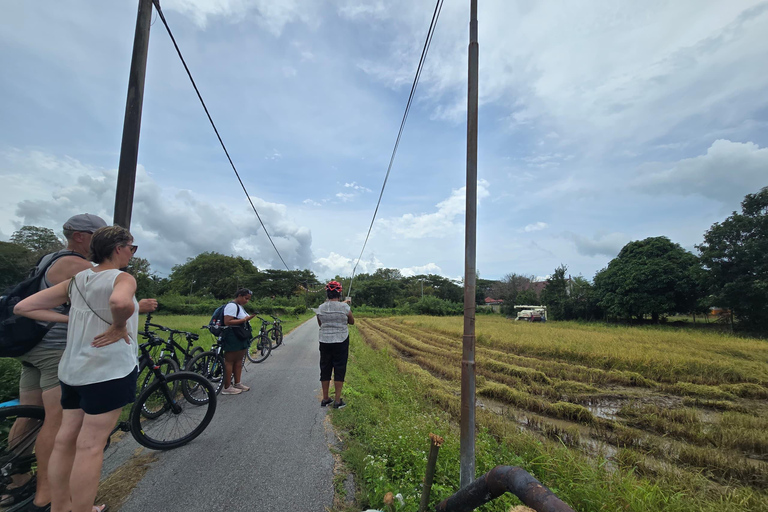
<point x="333" y="321"/>
<point x="235" y="311"/>
<point x="82" y="363"/>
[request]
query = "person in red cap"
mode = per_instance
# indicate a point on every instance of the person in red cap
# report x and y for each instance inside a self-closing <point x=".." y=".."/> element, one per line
<point x="334" y="317"/>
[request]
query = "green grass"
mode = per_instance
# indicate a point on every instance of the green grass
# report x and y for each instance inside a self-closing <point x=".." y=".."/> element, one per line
<point x="394" y="405"/>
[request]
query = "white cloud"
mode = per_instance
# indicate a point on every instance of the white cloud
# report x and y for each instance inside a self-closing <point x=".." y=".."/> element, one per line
<point x="606" y="79"/>
<point x="441" y="223"/>
<point x="311" y="202"/>
<point x="429" y="268"/>
<point x="601" y="245"/>
<point x="538" y="226"/>
<point x="271" y="15"/>
<point x="726" y="173"/>
<point x="335" y="264"/>
<point x="345" y="198"/>
<point x="169" y="225"/>
<point x="274" y="156"/>
<point x="355" y="186"/>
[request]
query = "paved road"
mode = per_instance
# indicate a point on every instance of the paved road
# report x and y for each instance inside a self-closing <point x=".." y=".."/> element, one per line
<point x="265" y="450"/>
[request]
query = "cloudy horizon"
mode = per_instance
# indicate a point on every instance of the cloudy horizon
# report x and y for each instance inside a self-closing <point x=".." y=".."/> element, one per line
<point x="600" y="123"/>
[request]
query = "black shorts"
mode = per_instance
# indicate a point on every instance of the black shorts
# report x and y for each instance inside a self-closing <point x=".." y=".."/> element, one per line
<point x="100" y="397"/>
<point x="333" y="357"/>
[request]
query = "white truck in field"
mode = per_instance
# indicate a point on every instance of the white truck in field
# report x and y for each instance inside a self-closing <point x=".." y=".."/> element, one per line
<point x="532" y="313"/>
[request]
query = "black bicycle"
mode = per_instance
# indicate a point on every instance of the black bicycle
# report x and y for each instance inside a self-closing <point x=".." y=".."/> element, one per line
<point x="260" y="345"/>
<point x="172" y="348"/>
<point x="210" y="364"/>
<point x="275" y="333"/>
<point x="19" y="426"/>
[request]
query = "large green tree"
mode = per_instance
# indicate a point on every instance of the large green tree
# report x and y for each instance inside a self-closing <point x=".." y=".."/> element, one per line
<point x="211" y="273"/>
<point x="555" y="295"/>
<point x="148" y="284"/>
<point x="735" y="255"/>
<point x="38" y="240"/>
<point x="649" y="277"/>
<point x="15" y="263"/>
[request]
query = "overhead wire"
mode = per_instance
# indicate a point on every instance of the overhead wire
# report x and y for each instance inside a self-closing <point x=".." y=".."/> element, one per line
<point x="200" y="97"/>
<point x="424" y="51"/>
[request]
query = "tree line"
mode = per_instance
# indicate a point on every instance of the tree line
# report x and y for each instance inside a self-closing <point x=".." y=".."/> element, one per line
<point x="650" y="278"/>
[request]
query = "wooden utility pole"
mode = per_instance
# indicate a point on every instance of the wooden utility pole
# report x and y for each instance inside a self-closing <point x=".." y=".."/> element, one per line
<point x="129" y="150"/>
<point x="467" y="471"/>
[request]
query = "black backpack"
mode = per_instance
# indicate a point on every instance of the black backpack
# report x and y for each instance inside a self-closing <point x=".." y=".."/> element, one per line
<point x="18" y="334"/>
<point x="216" y="324"/>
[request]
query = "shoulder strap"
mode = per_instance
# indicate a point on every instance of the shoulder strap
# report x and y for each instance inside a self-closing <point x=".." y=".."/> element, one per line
<point x="54" y="257"/>
<point x="86" y="301"/>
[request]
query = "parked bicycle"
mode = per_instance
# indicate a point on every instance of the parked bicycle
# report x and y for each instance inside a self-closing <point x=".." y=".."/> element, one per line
<point x="260" y="345"/>
<point x="19" y="426"/>
<point x="275" y="333"/>
<point x="210" y="364"/>
<point x="172" y="348"/>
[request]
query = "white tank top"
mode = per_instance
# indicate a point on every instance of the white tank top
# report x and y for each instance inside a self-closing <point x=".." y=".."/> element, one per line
<point x="82" y="363"/>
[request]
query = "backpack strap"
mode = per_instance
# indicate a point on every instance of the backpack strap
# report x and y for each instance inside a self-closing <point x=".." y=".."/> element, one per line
<point x="55" y="257"/>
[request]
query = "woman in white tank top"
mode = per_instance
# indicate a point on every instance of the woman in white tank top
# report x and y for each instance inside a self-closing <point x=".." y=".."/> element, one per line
<point x="99" y="367"/>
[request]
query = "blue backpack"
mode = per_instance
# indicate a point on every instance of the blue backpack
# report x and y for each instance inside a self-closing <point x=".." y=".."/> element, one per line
<point x="216" y="325"/>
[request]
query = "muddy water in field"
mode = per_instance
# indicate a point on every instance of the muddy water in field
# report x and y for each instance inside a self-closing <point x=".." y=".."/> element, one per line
<point x="526" y="421"/>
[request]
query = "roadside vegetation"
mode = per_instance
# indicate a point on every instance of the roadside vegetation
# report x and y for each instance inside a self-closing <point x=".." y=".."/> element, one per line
<point x="610" y="418"/>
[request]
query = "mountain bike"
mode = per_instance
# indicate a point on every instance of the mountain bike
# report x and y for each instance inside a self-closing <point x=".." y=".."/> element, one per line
<point x="172" y="347"/>
<point x="275" y="333"/>
<point x="177" y="407"/>
<point x="19" y="426"/>
<point x="210" y="364"/>
<point x="260" y="345"/>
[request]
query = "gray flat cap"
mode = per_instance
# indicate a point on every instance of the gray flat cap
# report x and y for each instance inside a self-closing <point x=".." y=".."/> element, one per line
<point x="84" y="222"/>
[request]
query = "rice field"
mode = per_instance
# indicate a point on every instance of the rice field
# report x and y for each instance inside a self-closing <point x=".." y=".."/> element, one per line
<point x="674" y="405"/>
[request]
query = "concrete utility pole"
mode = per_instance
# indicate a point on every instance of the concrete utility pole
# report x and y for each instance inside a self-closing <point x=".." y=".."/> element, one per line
<point x="467" y="471"/>
<point x="129" y="150"/>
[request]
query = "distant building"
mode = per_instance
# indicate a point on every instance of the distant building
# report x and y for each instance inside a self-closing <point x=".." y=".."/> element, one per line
<point x="493" y="302"/>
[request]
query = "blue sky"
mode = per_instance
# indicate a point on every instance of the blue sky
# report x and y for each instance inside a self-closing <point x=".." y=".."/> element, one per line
<point x="600" y="123"/>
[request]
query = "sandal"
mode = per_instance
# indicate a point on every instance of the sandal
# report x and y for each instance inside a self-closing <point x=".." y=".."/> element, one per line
<point x="14" y="495"/>
<point x="34" y="508"/>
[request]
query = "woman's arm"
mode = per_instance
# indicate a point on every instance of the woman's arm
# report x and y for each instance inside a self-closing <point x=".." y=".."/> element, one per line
<point x="39" y="305"/>
<point x="121" y="306"/>
<point x="230" y="320"/>
<point x="350" y="318"/>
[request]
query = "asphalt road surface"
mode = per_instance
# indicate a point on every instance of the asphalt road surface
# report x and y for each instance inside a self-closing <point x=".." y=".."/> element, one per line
<point x="265" y="450"/>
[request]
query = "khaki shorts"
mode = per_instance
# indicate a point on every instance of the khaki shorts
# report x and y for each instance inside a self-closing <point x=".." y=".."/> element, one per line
<point x="40" y="369"/>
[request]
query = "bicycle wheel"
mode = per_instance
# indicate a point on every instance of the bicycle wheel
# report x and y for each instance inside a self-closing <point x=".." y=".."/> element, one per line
<point x="19" y="426"/>
<point x="167" y="366"/>
<point x="192" y="353"/>
<point x="181" y="420"/>
<point x="211" y="366"/>
<point x="259" y="349"/>
<point x="276" y="337"/>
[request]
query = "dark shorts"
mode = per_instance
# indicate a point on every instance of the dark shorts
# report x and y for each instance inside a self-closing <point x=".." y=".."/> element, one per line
<point x="231" y="343"/>
<point x="100" y="397"/>
<point x="333" y="357"/>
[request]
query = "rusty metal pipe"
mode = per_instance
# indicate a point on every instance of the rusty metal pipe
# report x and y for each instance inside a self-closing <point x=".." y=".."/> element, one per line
<point x="496" y="482"/>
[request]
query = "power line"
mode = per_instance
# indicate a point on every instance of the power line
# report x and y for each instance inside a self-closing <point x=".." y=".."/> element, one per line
<point x="162" y="18"/>
<point x="424" y="51"/>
